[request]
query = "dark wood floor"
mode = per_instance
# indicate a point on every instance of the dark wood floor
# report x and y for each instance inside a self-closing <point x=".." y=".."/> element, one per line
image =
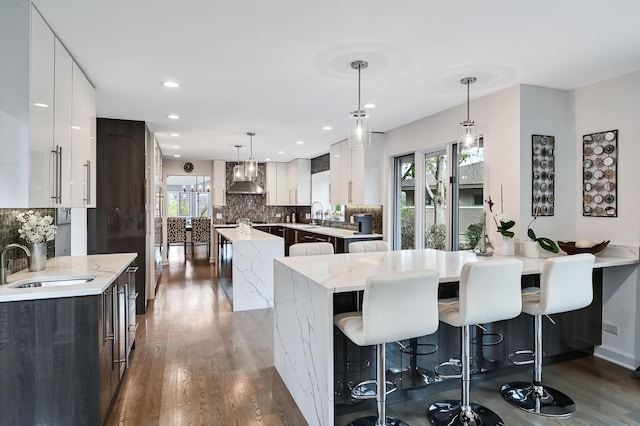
<point x="198" y="363"/>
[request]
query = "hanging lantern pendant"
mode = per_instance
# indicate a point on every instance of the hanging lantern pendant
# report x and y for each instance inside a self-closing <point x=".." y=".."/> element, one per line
<point x="468" y="132"/>
<point x="359" y="124"/>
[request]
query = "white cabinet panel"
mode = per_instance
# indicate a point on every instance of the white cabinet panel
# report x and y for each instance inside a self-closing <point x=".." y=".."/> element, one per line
<point x="83" y="165"/>
<point x="61" y="170"/>
<point x="219" y="190"/>
<point x="356" y="173"/>
<point x="41" y="105"/>
<point x="282" y="171"/>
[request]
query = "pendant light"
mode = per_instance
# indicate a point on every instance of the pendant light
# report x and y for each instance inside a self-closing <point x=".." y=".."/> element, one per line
<point x="468" y="131"/>
<point x="250" y="164"/>
<point x="238" y="169"/>
<point x="359" y="135"/>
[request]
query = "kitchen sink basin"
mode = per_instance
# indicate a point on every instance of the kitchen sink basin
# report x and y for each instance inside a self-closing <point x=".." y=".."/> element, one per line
<point x="52" y="281"/>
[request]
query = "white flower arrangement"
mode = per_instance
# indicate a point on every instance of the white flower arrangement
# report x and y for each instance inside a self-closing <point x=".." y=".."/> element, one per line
<point x="36" y="228"/>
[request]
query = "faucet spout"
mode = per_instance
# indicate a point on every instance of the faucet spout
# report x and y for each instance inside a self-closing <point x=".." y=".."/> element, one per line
<point x="313" y="216"/>
<point x="3" y="260"/>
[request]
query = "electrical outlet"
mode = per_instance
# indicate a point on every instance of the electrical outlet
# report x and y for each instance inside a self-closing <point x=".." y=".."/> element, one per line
<point x="307" y="215"/>
<point x="351" y="219"/>
<point x="278" y="215"/>
<point x="610" y="328"/>
<point x="218" y="215"/>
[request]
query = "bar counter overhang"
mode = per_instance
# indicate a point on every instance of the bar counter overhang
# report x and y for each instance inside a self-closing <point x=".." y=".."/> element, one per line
<point x="307" y="291"/>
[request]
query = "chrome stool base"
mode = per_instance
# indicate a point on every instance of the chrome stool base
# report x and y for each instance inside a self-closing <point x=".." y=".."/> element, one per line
<point x="545" y="401"/>
<point x="371" y="421"/>
<point x="369" y="390"/>
<point x="448" y="413"/>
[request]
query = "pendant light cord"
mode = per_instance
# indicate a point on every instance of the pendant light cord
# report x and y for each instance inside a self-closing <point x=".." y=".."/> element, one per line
<point x="359" y="69"/>
<point x="468" y="83"/>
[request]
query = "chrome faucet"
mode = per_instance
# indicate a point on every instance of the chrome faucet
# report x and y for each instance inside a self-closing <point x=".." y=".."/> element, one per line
<point x="313" y="216"/>
<point x="3" y="261"/>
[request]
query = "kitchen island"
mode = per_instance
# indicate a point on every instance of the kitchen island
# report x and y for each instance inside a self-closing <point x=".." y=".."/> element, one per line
<point x="306" y="291"/>
<point x="252" y="267"/>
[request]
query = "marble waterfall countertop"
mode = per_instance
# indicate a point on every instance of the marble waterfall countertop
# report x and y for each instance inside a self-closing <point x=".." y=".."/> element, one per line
<point x="348" y="272"/>
<point x="234" y="234"/>
<point x="324" y="230"/>
<point x="105" y="268"/>
<point x="304" y="293"/>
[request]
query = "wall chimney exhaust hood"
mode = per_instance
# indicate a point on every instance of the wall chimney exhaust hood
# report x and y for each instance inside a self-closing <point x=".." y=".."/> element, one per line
<point x="245" y="187"/>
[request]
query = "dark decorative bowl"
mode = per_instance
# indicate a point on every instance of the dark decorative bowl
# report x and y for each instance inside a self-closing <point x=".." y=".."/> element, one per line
<point x="569" y="247"/>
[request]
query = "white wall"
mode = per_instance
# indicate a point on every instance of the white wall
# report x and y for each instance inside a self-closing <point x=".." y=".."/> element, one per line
<point x="498" y="118"/>
<point x="608" y="105"/>
<point x="545" y="111"/>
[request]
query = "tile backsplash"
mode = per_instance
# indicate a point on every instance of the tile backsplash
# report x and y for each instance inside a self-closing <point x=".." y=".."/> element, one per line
<point x="9" y="226"/>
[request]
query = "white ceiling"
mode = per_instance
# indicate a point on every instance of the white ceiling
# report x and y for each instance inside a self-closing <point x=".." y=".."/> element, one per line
<point x="280" y="68"/>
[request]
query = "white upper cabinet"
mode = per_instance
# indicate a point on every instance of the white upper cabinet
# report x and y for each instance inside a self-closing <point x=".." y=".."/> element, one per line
<point x="41" y="106"/>
<point x="61" y="164"/>
<point x="299" y="178"/>
<point x="277" y="184"/>
<point x="219" y="187"/>
<point x="37" y="110"/>
<point x="83" y="154"/>
<point x="356" y="173"/>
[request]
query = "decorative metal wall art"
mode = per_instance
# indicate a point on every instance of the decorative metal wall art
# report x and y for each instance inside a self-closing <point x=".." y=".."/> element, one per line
<point x="543" y="175"/>
<point x="600" y="174"/>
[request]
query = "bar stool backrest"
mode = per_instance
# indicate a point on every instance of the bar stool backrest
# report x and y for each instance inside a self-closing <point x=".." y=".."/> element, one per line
<point x="490" y="291"/>
<point x="176" y="230"/>
<point x="310" y="249"/>
<point x="566" y="283"/>
<point x="368" y="246"/>
<point x="400" y="306"/>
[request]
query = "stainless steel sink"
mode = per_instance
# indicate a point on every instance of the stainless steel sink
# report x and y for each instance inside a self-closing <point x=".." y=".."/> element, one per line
<point x="52" y="281"/>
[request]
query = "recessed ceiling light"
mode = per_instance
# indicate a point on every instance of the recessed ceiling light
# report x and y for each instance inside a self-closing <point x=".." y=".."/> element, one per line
<point x="300" y="142"/>
<point x="171" y="84"/>
<point x="41" y="105"/>
<point x="174" y="134"/>
<point x="176" y="146"/>
<point x="75" y="127"/>
<point x="267" y="159"/>
<point x="327" y="128"/>
<point x="280" y="152"/>
<point x="176" y="155"/>
<point x="369" y="105"/>
<point x="173" y="116"/>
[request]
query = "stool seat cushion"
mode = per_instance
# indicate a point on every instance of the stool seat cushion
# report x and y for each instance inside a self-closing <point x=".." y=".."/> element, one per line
<point x="395" y="306"/>
<point x="489" y="291"/>
<point x="311" y="249"/>
<point x="566" y="284"/>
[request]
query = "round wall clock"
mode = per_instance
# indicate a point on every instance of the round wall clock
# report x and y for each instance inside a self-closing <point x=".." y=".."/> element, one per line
<point x="188" y="167"/>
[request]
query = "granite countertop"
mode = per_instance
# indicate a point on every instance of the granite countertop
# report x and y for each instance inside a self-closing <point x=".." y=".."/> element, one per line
<point x="348" y="272"/>
<point x="105" y="268"/>
<point x="323" y="230"/>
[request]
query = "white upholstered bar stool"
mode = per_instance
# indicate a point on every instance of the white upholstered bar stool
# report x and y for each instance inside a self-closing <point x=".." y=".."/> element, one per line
<point x="368" y="246"/>
<point x="395" y="307"/>
<point x="310" y="249"/>
<point x="566" y="284"/>
<point x="489" y="291"/>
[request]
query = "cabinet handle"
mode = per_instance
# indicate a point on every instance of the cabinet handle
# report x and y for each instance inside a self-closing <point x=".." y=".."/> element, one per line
<point x="127" y="324"/>
<point x="106" y="336"/>
<point x="132" y="269"/>
<point x="57" y="178"/>
<point x="320" y="239"/>
<point x="87" y="199"/>
<point x="306" y="237"/>
<point x="296" y="200"/>
<point x="350" y="190"/>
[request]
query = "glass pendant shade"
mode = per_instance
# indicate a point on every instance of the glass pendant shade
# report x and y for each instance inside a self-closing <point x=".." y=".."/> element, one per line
<point x="238" y="169"/>
<point x="359" y="130"/>
<point x="250" y="169"/>
<point x="238" y="173"/>
<point x="468" y="137"/>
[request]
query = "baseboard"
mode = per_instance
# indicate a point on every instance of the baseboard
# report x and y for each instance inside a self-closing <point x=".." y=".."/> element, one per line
<point x="615" y="357"/>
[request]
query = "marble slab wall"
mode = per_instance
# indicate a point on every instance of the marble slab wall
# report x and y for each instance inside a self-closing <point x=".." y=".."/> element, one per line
<point x="9" y="226"/>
